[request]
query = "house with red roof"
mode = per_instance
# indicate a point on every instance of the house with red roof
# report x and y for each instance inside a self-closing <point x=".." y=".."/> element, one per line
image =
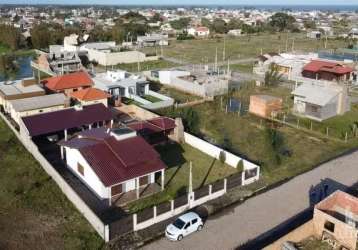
<point x="68" y="83"/>
<point x="113" y="162"/>
<point x="199" y="31"/>
<point x="327" y="70"/>
<point x="90" y="96"/>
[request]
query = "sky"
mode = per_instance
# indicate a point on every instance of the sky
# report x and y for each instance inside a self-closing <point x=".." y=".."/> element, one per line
<point x="187" y="2"/>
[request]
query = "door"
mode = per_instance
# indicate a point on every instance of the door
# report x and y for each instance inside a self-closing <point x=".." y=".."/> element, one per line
<point x="187" y="229"/>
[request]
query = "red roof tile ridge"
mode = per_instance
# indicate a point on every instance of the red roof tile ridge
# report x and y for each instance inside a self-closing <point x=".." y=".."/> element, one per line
<point x="114" y="153"/>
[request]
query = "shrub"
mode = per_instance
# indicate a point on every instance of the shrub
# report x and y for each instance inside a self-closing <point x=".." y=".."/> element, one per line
<point x="240" y="166"/>
<point x="222" y="157"/>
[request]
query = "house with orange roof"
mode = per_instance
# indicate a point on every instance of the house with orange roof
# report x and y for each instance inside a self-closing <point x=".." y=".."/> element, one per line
<point x="90" y="96"/>
<point x="68" y="83"/>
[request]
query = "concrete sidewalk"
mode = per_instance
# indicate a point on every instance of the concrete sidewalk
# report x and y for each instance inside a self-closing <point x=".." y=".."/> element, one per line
<point x="260" y="214"/>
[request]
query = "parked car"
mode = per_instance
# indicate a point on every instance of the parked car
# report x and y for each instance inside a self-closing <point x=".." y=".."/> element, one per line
<point x="183" y="226"/>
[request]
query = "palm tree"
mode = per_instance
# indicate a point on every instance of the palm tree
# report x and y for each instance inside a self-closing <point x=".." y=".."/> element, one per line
<point x="272" y="76"/>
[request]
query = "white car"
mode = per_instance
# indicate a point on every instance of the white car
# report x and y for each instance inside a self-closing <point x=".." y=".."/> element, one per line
<point x="184" y="225"/>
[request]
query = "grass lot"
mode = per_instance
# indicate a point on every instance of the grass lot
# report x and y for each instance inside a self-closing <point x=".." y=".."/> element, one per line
<point x="246" y="68"/>
<point x="201" y="51"/>
<point x="152" y="98"/>
<point x="314" y="244"/>
<point x="177" y="95"/>
<point x="245" y="136"/>
<point x="177" y="157"/>
<point x="34" y="214"/>
<point x="150" y="65"/>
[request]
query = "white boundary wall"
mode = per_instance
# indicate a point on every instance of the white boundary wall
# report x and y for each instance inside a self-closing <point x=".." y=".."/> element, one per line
<point x="214" y="151"/>
<point x="76" y="200"/>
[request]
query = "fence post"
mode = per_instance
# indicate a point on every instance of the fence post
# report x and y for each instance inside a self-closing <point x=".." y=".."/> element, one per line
<point x="134" y="222"/>
<point x="346" y="137"/>
<point x="284" y="118"/>
<point x="327" y="132"/>
<point x="210" y="189"/>
<point x="225" y="185"/>
<point x="172" y="205"/>
<point x="155" y="212"/>
<point x="311" y="125"/>
<point x="298" y="122"/>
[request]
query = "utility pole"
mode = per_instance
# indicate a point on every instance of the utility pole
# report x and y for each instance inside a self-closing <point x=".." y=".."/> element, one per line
<point x="224" y="51"/>
<point x="216" y="60"/>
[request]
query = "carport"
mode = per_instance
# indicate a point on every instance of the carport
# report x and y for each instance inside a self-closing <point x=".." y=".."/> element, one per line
<point x="66" y="119"/>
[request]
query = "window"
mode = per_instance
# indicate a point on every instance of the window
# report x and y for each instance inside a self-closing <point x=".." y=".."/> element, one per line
<point x="187" y="225"/>
<point x="194" y="221"/>
<point x="250" y="173"/>
<point x="80" y="169"/>
<point x="329" y="226"/>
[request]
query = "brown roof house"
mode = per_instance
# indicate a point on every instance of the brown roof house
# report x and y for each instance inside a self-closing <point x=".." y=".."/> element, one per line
<point x="113" y="162"/>
<point x="265" y="106"/>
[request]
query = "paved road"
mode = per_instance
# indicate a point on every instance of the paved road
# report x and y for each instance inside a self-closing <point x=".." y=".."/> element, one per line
<point x="264" y="212"/>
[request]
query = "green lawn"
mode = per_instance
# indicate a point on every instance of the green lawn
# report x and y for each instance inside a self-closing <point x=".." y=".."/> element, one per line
<point x="150" y="65"/>
<point x="152" y="98"/>
<point x="202" y="51"/>
<point x="34" y="214"/>
<point x="178" y="157"/>
<point x="177" y="95"/>
<point x="246" y="68"/>
<point x="314" y="244"/>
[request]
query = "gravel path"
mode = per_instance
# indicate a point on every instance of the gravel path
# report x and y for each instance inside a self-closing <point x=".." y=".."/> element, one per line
<point x="265" y="211"/>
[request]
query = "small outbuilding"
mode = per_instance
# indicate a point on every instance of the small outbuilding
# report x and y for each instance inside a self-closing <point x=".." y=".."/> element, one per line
<point x="264" y="105"/>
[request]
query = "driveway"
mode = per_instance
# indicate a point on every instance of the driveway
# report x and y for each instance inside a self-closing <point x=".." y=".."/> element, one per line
<point x="268" y="210"/>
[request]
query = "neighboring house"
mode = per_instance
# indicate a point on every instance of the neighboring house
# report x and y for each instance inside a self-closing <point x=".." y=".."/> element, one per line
<point x="353" y="33"/>
<point x="336" y="218"/>
<point x="199" y="31"/>
<point x="35" y="105"/>
<point x="314" y="34"/>
<point x="236" y="32"/>
<point x="19" y="89"/>
<point x="113" y="161"/>
<point x="90" y="96"/>
<point x="68" y="83"/>
<point x="152" y="40"/>
<point x="66" y="120"/>
<point x="200" y="83"/>
<point x="265" y="106"/>
<point x="321" y="101"/>
<point x="327" y="70"/>
<point x="121" y="84"/>
<point x="60" y="62"/>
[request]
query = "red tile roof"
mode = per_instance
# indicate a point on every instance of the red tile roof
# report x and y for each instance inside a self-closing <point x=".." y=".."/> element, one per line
<point x="115" y="161"/>
<point x="68" y="81"/>
<point x="333" y="67"/>
<point x="56" y="121"/>
<point x="90" y="94"/>
<point x="153" y="126"/>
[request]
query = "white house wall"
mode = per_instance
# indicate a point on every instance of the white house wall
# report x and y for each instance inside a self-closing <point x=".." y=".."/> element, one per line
<point x="17" y="115"/>
<point x="73" y="156"/>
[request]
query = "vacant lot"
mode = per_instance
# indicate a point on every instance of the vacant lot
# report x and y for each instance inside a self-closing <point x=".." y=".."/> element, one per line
<point x="144" y="66"/>
<point x="34" y="214"/>
<point x="178" y="157"/>
<point x="285" y="154"/>
<point x="202" y="51"/>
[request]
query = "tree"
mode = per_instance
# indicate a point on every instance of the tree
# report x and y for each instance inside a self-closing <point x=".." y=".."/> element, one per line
<point x="10" y="36"/>
<point x="180" y="24"/>
<point x="205" y="22"/>
<point x="282" y="21"/>
<point x="272" y="76"/>
<point x="219" y="26"/>
<point x="308" y="24"/>
<point x="240" y="166"/>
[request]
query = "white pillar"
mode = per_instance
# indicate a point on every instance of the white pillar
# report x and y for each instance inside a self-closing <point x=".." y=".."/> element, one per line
<point x="134" y="222"/>
<point x="65" y="134"/>
<point x="172" y="205"/>
<point x="111" y="123"/>
<point x="225" y="185"/>
<point x="190" y="178"/>
<point x="162" y="177"/>
<point x="137" y="187"/>
<point x="90" y="126"/>
<point x="62" y="154"/>
<point x="211" y="189"/>
<point x="155" y="212"/>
